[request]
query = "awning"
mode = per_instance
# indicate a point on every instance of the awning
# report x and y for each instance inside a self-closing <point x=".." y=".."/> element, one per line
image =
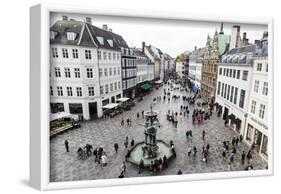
<point x="61" y="115"/>
<point x="159" y="82"/>
<point x="110" y="106"/>
<point x="231" y="117"/>
<point x="122" y="99"/>
<point x="146" y="86"/>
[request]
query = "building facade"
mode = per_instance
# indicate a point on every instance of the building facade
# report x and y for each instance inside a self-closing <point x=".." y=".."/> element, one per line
<point x="85" y="68"/>
<point x="216" y="47"/>
<point x="257" y="121"/>
<point x="234" y="85"/>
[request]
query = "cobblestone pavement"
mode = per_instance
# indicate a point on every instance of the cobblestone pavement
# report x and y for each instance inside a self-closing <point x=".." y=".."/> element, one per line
<point x="66" y="166"/>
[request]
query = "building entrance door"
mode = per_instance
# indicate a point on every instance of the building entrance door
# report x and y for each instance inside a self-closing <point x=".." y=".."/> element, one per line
<point x="93" y="110"/>
<point x="225" y="113"/>
<point x="257" y="140"/>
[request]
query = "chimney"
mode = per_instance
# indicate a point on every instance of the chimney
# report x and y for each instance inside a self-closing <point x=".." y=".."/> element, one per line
<point x="235" y="37"/>
<point x="143" y="45"/>
<point x="64" y="18"/>
<point x="110" y="29"/>
<point x="104" y="27"/>
<point x="88" y="20"/>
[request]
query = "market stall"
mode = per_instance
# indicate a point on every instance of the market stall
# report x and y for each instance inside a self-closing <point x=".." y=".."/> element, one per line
<point x="111" y="109"/>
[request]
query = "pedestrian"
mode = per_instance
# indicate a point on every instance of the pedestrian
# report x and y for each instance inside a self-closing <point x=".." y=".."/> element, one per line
<point x="132" y="142"/>
<point x="224" y="155"/>
<point x="233" y="141"/>
<point x="234" y="150"/>
<point x="241" y="138"/>
<point x="165" y="161"/>
<point x="189" y="151"/>
<point x="126" y="142"/>
<point x="194" y="150"/>
<point x="151" y="168"/>
<point x="124" y="167"/>
<point x="231" y="157"/>
<point x="237" y="141"/>
<point x="141" y="166"/>
<point x="179" y="172"/>
<point x="122" y="121"/>
<point x="103" y="160"/>
<point x="138" y="115"/>
<point x="116" y="147"/>
<point x="208" y="147"/>
<point x="127" y="155"/>
<point x="66" y="145"/>
<point x="243" y="156"/>
<point x="203" y="134"/>
<point x="128" y="122"/>
<point x="249" y="156"/>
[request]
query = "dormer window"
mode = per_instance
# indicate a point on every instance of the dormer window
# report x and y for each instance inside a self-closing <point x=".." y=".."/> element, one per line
<point x="101" y="40"/>
<point x="71" y="35"/>
<point x="53" y="34"/>
<point x="110" y="42"/>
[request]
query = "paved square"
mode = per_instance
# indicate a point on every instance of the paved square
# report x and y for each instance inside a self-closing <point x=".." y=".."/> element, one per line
<point x="66" y="166"/>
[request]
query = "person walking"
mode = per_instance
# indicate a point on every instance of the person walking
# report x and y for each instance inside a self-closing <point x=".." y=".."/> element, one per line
<point x="123" y="167"/>
<point x="224" y="155"/>
<point x="126" y="142"/>
<point x="207" y="147"/>
<point x="231" y="157"/>
<point x="116" y="147"/>
<point x="132" y="142"/>
<point x="203" y="134"/>
<point x="138" y="115"/>
<point x="194" y="150"/>
<point x="141" y="166"/>
<point x="66" y="145"/>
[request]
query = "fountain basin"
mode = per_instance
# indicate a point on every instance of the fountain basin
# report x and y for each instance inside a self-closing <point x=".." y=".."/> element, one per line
<point x="136" y="153"/>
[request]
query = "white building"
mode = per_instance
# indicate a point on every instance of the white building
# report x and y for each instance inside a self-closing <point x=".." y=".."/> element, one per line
<point x="257" y="121"/>
<point x="195" y="66"/>
<point x="234" y="85"/>
<point x="142" y="66"/>
<point x="181" y="68"/>
<point x="85" y="69"/>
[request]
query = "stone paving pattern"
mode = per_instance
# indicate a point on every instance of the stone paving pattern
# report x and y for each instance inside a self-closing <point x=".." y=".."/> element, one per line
<point x="66" y="166"/>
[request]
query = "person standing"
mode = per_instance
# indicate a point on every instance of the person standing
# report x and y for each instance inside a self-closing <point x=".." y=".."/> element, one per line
<point x="66" y="145"/>
<point x="194" y="150"/>
<point x="126" y="142"/>
<point x="132" y="142"/>
<point x="243" y="156"/>
<point x="116" y="147"/>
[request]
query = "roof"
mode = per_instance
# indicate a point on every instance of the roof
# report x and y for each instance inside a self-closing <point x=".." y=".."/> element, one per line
<point x="86" y="35"/>
<point x="241" y="55"/>
<point x="245" y="49"/>
<point x="139" y="53"/>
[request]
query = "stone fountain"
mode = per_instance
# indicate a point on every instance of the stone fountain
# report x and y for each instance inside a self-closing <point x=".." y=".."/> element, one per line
<point x="151" y="148"/>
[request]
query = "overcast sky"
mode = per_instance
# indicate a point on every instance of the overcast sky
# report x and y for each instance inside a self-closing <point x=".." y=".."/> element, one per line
<point x="171" y="36"/>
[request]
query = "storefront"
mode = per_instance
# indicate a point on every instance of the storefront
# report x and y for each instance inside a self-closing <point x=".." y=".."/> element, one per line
<point x="256" y="136"/>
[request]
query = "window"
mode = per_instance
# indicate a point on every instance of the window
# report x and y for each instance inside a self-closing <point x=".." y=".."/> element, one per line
<point x="100" y="72"/>
<point x="262" y="109"/>
<point x="88" y="54"/>
<point x="238" y="74"/>
<point x="64" y="53"/>
<point x="264" y="145"/>
<point x="106" y="88"/>
<point x="230" y="73"/>
<point x="253" y="106"/>
<point x="71" y="35"/>
<point x="55" y="52"/>
<point x="79" y="91"/>
<point x="77" y="72"/>
<point x="109" y="56"/>
<point x="104" y="56"/>
<point x="105" y="72"/>
<point x="110" y="71"/>
<point x="245" y="75"/>
<point x="75" y="53"/>
<point x="222" y="89"/>
<point x="219" y="87"/>
<point x="67" y="72"/>
<point x="69" y="91"/>
<point x="228" y="91"/>
<point x="101" y="90"/>
<point x="114" y="71"/>
<point x="118" y="56"/>
<point x="57" y="72"/>
<point x="242" y="98"/>
<point x="89" y="73"/>
<point x="231" y="95"/>
<point x="256" y="86"/>
<point x="111" y="87"/>
<point x="265" y="88"/>
<point x="115" y="86"/>
<point x="99" y="55"/>
<point x="225" y="92"/>
<point x="259" y="67"/>
<point x="91" y="91"/>
<point x="235" y="95"/>
<point x="266" y="67"/>
<point x="234" y="73"/>
<point x="114" y="56"/>
<point x="224" y="71"/>
<point x="249" y="133"/>
<point x="60" y="92"/>
<point x="227" y="71"/>
<point x="51" y="91"/>
<point x="119" y="85"/>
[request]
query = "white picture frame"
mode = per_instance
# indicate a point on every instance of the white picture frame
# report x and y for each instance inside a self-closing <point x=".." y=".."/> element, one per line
<point x="39" y="100"/>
